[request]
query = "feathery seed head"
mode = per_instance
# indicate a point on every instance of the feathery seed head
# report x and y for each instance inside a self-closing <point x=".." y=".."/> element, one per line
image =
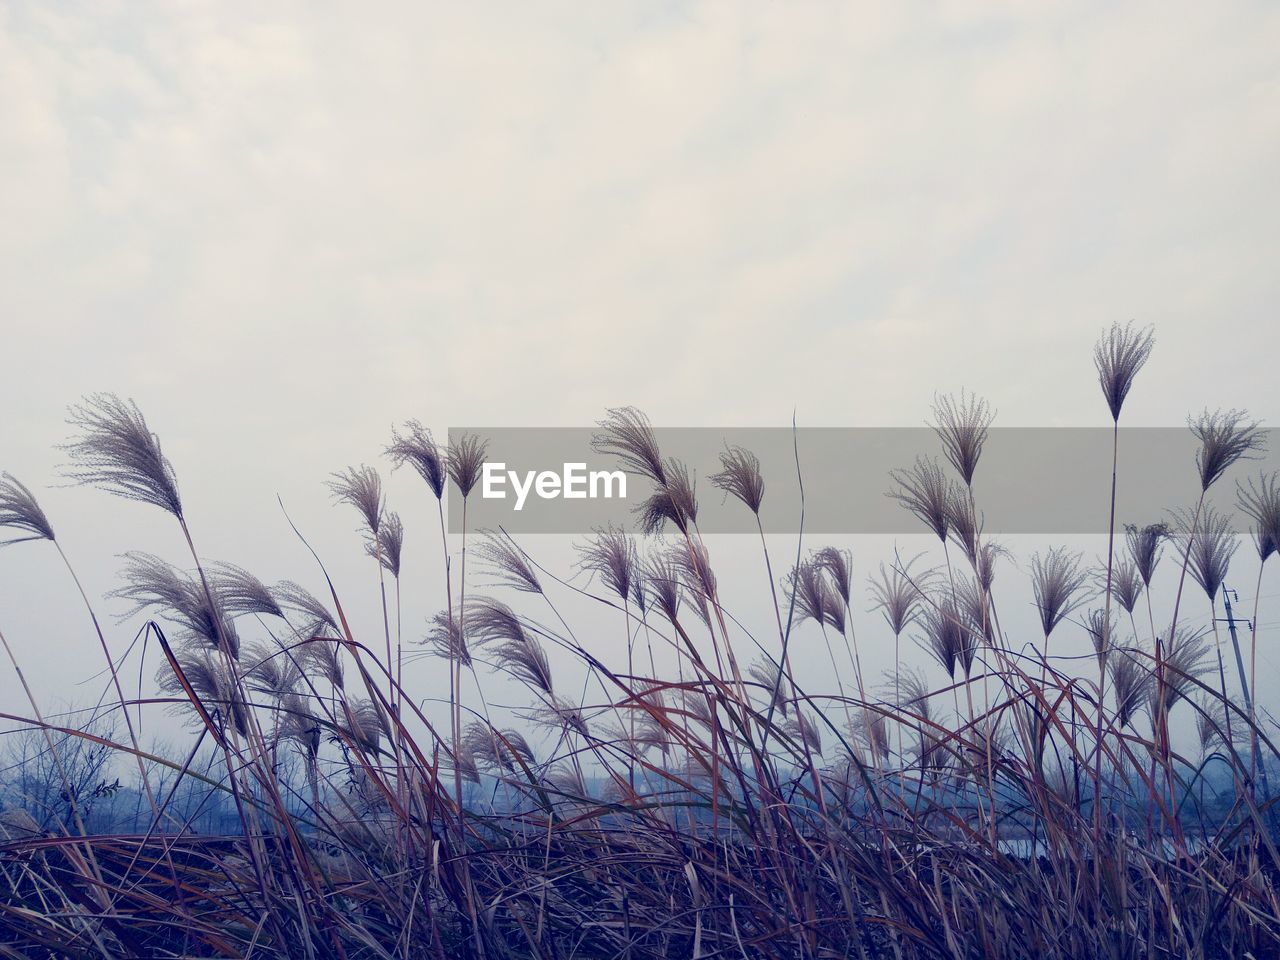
<point x="362" y="489"/>
<point x="662" y="582"/>
<point x="317" y="620"/>
<point x="1212" y="544"/>
<point x="923" y="490"/>
<point x="417" y="449"/>
<point x="116" y="450"/>
<point x="1186" y="657"/>
<point x="1225" y="438"/>
<point x="20" y="511"/>
<point x="152" y="583"/>
<point x="508" y="562"/>
<point x="241" y="592"/>
<point x="897" y="595"/>
<point x="1261" y="502"/>
<point x="1100" y="632"/>
<point x="1119" y="354"/>
<point x="446" y="640"/>
<point x="1131" y="682"/>
<point x="611" y="555"/>
<point x="626" y="433"/>
<point x="1144" y="547"/>
<point x="389" y="545"/>
<point x="1126" y="583"/>
<point x="948" y="636"/>
<point x="465" y="461"/>
<point x="740" y="476"/>
<point x="674" y="500"/>
<point x="838" y="565"/>
<point x="1057" y="579"/>
<point x="525" y="660"/>
<point x="962" y="423"/>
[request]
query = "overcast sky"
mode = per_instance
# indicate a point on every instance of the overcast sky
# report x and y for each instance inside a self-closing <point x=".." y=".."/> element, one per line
<point x="282" y="227"/>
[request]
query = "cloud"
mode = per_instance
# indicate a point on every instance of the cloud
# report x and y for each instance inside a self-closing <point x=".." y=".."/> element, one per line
<point x="525" y="215"/>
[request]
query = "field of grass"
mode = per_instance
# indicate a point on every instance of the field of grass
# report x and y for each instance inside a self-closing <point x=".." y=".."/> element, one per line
<point x="1020" y="809"/>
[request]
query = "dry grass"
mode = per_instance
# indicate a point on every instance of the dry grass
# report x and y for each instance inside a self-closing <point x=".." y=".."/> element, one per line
<point x="701" y="812"/>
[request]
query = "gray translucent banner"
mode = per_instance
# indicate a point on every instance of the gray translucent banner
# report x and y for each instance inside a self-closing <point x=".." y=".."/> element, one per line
<point x="1033" y="480"/>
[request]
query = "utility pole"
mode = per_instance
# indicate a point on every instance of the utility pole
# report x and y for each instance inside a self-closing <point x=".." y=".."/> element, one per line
<point x="1231" y="622"/>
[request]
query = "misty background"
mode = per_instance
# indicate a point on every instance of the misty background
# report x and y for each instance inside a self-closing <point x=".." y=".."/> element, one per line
<point x="283" y="228"/>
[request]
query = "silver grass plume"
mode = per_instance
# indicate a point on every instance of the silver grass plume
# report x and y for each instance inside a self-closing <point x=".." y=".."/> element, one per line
<point x="695" y="569"/>
<point x="1126" y="584"/>
<point x="1100" y="633"/>
<point x="507" y="562"/>
<point x="947" y="636"/>
<point x="1226" y="437"/>
<point x="501" y="750"/>
<point x="417" y="449"/>
<point x="975" y="607"/>
<point x="241" y="592"/>
<point x="911" y="691"/>
<point x="801" y="729"/>
<point x="923" y="490"/>
<point x="492" y="620"/>
<point x="649" y="733"/>
<point x="987" y="736"/>
<point x="674" y="501"/>
<point x="562" y="715"/>
<point x="270" y="671"/>
<point x="626" y="434"/>
<point x="1119" y="354"/>
<point x="317" y="626"/>
<point x="610" y="554"/>
<point x="465" y="764"/>
<point x="152" y="583"/>
<point x="361" y="488"/>
<point x="1057" y="579"/>
<point x="210" y="681"/>
<point x="1213" y="726"/>
<point x="896" y="594"/>
<point x="390" y="544"/>
<point x="316" y="618"/>
<point x="838" y="565"/>
<point x="872" y="730"/>
<point x="525" y="660"/>
<point x="1132" y="682"/>
<point x="299" y="724"/>
<point x="962" y="423"/>
<point x="639" y="589"/>
<point x="1261" y="502"/>
<point x="662" y="579"/>
<point x="740" y="476"/>
<point x="566" y="780"/>
<point x="324" y="656"/>
<point x="465" y="461"/>
<point x="1186" y="656"/>
<point x="365" y="724"/>
<point x="964" y="523"/>
<point x="115" y="450"/>
<point x="769" y="675"/>
<point x="815" y="598"/>
<point x="984" y="567"/>
<point x="1144" y="545"/>
<point x="20" y="511"/>
<point x="445" y="639"/>
<point x="1212" y="544"/>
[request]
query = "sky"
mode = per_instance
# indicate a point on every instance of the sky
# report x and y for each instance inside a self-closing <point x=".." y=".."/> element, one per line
<point x="283" y="227"/>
